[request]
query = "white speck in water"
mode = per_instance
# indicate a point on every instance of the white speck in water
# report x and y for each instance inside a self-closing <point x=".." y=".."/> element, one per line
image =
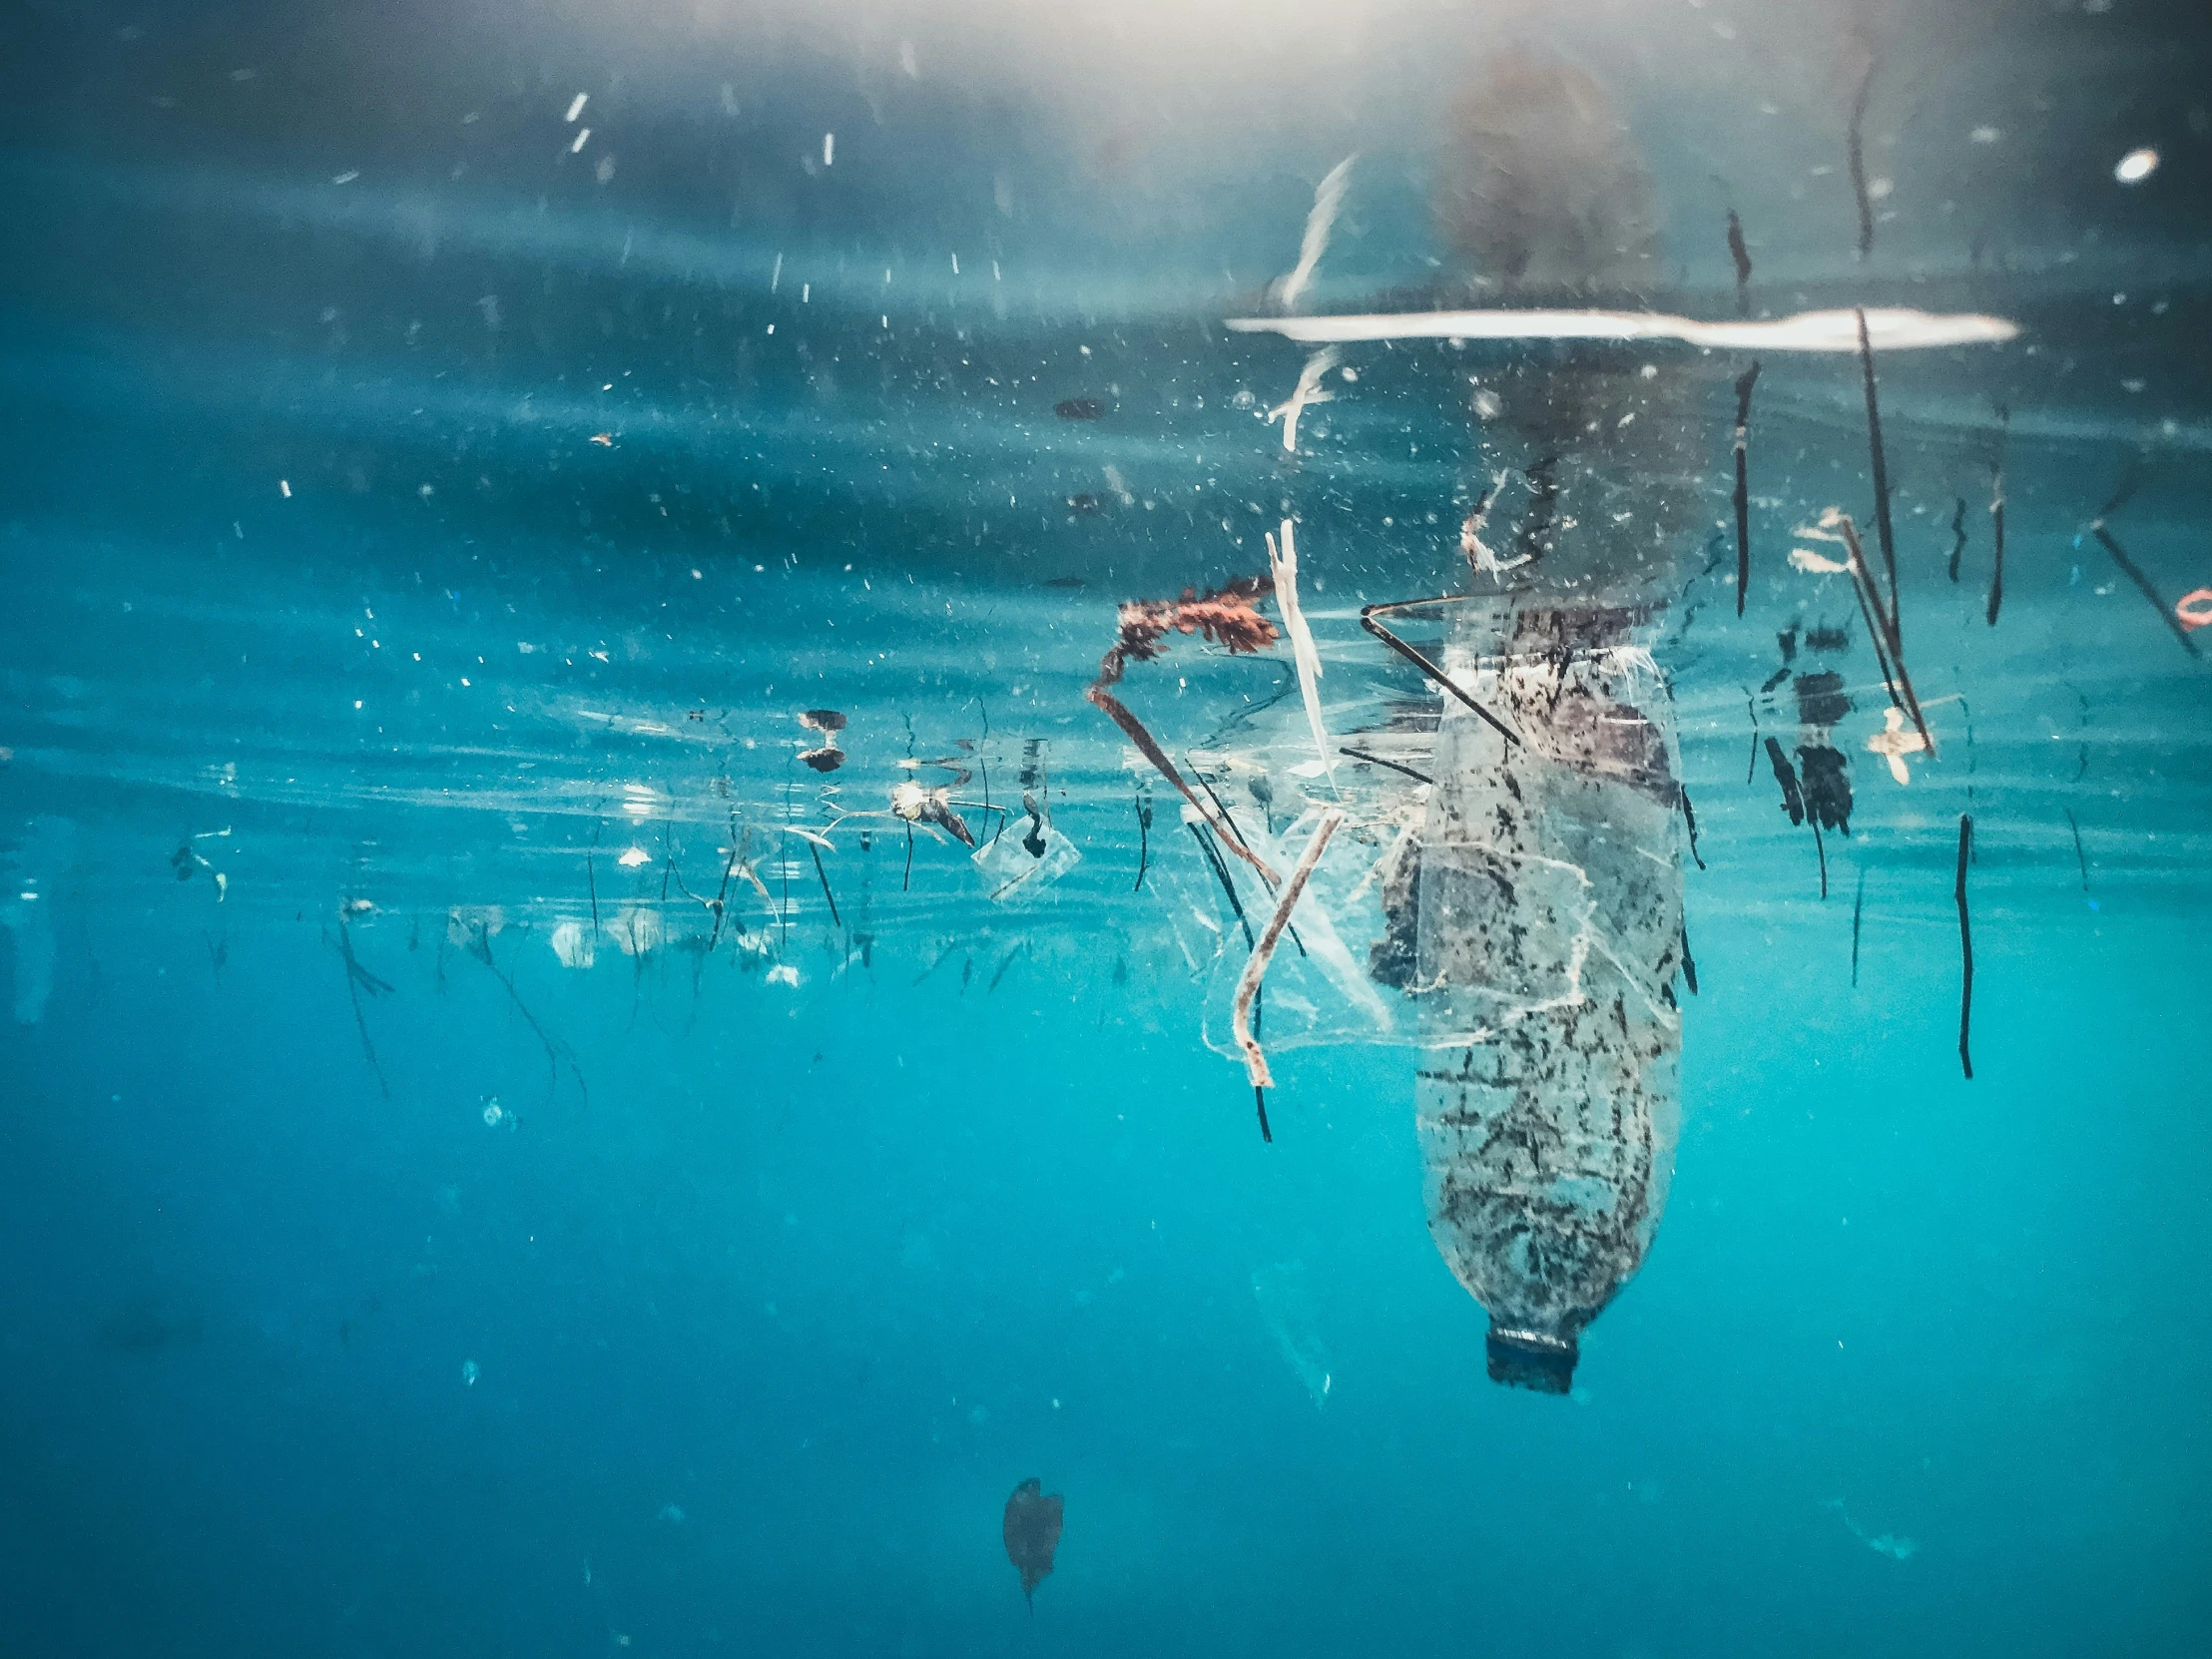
<point x="576" y="105"/>
<point x="2136" y="166"/>
<point x="492" y="1115"/>
<point x="470" y="1374"/>
<point x="829" y="149"/>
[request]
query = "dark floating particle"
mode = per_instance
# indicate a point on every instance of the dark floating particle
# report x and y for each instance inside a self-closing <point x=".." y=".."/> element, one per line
<point x="1079" y="409"/>
<point x="1086" y="502"/>
<point x="827" y="759"/>
<point x="824" y="721"/>
<point x="1031" y="1529"/>
<point x="1067" y="582"/>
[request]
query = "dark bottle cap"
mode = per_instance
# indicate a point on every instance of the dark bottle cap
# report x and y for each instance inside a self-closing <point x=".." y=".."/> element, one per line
<point x="1531" y="1359"/>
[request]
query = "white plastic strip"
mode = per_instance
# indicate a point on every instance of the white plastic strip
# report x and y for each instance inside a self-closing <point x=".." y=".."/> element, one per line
<point x="1888" y="327"/>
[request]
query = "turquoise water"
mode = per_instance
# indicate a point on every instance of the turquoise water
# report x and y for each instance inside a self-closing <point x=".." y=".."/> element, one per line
<point x="501" y="1157"/>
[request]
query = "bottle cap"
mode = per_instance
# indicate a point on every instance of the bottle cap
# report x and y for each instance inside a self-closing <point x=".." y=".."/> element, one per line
<point x="1531" y="1359"/>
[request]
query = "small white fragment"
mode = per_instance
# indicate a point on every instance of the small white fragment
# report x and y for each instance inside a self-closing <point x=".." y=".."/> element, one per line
<point x="347" y="176"/>
<point x="285" y="486"/>
<point x="2136" y="166"/>
<point x="1986" y="135"/>
<point x="1895" y="743"/>
<point x="633" y="856"/>
<point x="470" y="1374"/>
<point x="1812" y="564"/>
<point x="782" y="975"/>
<point x="583" y="136"/>
<point x="829" y="149"/>
<point x="576" y="107"/>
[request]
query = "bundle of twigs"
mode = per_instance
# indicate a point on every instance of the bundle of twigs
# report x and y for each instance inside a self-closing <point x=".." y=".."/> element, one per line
<point x="1228" y="617"/>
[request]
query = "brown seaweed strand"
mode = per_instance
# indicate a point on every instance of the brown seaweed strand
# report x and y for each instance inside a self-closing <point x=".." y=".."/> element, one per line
<point x="1881" y="527"/>
<point x="1965" y="947"/>
<point x="1111" y="706"/>
<point x="1256" y="965"/>
<point x="1744" y="384"/>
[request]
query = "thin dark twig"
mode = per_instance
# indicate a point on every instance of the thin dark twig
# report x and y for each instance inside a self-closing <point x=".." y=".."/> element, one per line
<point x="555" y="1050"/>
<point x="1144" y="839"/>
<point x="1996" y="515"/>
<point x="1376" y="760"/>
<point x="1965" y="946"/>
<point x="1882" y="623"/>
<point x="1858" y="159"/>
<point x="1858" y="909"/>
<point x="2143" y="583"/>
<point x="591" y="885"/>
<point x="906" y="881"/>
<point x="358" y="979"/>
<point x="1689" y="963"/>
<point x="1742" y="498"/>
<point x="1689" y="818"/>
<point x="2081" y="858"/>
<point x="1958" y="534"/>
<point x="1742" y="256"/>
<point x="1883" y="530"/>
<point x="1227" y="817"/>
<point x="825" y="892"/>
<point x="1368" y="615"/>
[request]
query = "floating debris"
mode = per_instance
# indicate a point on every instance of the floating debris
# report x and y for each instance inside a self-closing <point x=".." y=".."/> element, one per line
<point x="1857" y="154"/>
<point x="2193" y="610"/>
<point x="1079" y="409"/>
<point x="357" y="980"/>
<point x="2181" y="627"/>
<point x="1894" y="743"/>
<point x="1328" y="197"/>
<point x="1283" y="566"/>
<point x="827" y="756"/>
<point x="1031" y="1529"/>
<point x="1308" y="391"/>
<point x="1226" y="616"/>
<point x="1965" y="947"/>
<point x="1996" y="515"/>
<point x="1256" y="965"/>
<point x="1287" y="1312"/>
<point x="1742" y="256"/>
<point x="1741" y="496"/>
<point x="918" y="805"/>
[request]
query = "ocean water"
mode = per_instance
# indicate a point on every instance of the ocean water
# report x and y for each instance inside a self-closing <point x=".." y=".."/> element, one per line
<point x="500" y="1155"/>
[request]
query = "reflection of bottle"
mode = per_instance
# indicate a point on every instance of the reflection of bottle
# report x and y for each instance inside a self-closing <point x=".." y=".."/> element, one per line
<point x="1549" y="892"/>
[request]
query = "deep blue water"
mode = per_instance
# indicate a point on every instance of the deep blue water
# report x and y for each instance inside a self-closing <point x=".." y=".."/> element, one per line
<point x="583" y="1270"/>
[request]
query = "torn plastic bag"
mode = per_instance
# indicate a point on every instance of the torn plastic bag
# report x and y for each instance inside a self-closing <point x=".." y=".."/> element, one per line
<point x="1010" y="869"/>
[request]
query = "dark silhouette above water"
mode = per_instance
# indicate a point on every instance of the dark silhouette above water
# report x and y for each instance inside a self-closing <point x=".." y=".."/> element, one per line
<point x="1032" y="1533"/>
